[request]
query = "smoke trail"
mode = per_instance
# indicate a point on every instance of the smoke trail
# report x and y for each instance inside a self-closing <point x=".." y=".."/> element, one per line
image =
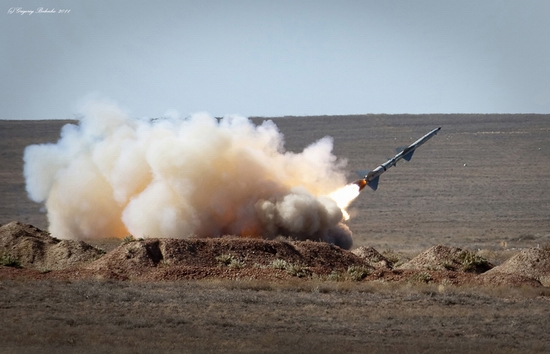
<point x="111" y="175"/>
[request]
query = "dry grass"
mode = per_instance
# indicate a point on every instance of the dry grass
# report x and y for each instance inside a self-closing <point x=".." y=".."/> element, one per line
<point x="481" y="206"/>
<point x="265" y="317"/>
<point x="432" y="199"/>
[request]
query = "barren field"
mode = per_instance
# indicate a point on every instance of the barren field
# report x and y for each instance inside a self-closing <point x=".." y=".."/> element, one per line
<point x="482" y="184"/>
<point x="482" y="180"/>
<point x="250" y="317"/>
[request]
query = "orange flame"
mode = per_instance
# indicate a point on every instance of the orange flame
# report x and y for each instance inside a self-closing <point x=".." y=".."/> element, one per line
<point x="345" y="195"/>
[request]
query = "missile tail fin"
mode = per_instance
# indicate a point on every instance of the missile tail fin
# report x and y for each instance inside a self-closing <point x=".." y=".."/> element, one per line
<point x="374" y="183"/>
<point x="362" y="173"/>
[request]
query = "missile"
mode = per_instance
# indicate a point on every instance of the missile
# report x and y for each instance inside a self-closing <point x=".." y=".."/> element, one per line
<point x="371" y="178"/>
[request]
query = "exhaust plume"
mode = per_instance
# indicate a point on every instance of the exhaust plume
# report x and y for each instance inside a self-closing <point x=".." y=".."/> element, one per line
<point x="111" y="175"/>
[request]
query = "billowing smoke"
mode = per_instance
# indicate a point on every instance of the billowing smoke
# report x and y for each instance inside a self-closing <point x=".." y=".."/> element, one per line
<point x="111" y="175"/>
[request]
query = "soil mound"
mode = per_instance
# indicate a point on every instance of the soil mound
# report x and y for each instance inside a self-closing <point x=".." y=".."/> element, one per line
<point x="26" y="246"/>
<point x="373" y="257"/>
<point x="30" y="247"/>
<point x="503" y="279"/>
<point x="448" y="258"/>
<point x="533" y="263"/>
<point x="208" y="256"/>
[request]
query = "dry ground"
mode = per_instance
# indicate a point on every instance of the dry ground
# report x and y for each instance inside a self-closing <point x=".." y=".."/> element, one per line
<point x="482" y="183"/>
<point x="252" y="317"/>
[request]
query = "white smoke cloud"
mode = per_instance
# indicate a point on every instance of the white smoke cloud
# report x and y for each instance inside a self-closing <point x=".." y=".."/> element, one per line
<point x="111" y="175"/>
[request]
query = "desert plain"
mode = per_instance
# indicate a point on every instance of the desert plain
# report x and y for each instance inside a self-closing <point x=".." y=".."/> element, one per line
<point x="481" y="185"/>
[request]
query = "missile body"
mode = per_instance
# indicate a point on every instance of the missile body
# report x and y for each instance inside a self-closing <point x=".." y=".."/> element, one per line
<point x="371" y="178"/>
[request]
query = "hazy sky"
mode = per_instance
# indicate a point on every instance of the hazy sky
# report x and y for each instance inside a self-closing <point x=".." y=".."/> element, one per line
<point x="273" y="58"/>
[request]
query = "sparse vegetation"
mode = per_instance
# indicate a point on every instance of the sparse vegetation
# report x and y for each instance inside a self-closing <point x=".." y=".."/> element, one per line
<point x="228" y="260"/>
<point x="313" y="313"/>
<point x="297" y="270"/>
<point x="8" y="260"/>
<point x="225" y="259"/>
<point x="128" y="239"/>
<point x="393" y="313"/>
<point x="448" y="265"/>
<point x="421" y="277"/>
<point x="236" y="264"/>
<point x="358" y="273"/>
<point x="335" y="276"/>
<point x="395" y="258"/>
<point x="279" y="264"/>
<point x="391" y="255"/>
<point x="472" y="262"/>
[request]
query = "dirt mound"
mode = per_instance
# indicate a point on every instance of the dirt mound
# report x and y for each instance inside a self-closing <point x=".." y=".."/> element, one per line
<point x="27" y="246"/>
<point x="503" y="279"/>
<point x="373" y="257"/>
<point x="533" y="263"/>
<point x="448" y="258"/>
<point x="212" y="256"/>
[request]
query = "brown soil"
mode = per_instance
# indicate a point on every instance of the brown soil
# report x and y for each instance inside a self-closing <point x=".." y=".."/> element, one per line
<point x="249" y="295"/>
<point x="482" y="183"/>
<point x="255" y="296"/>
<point x="531" y="263"/>
<point x="448" y="258"/>
<point x="33" y="248"/>
<point x="373" y="257"/>
<point x="240" y="316"/>
<point x="253" y="259"/>
<point x="173" y="259"/>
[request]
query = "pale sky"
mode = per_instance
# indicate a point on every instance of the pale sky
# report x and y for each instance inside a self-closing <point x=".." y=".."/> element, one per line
<point x="275" y="58"/>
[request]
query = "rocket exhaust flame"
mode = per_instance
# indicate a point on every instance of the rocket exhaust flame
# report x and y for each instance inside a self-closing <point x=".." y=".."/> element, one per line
<point x="110" y="175"/>
<point x="361" y="183"/>
<point x="344" y="196"/>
